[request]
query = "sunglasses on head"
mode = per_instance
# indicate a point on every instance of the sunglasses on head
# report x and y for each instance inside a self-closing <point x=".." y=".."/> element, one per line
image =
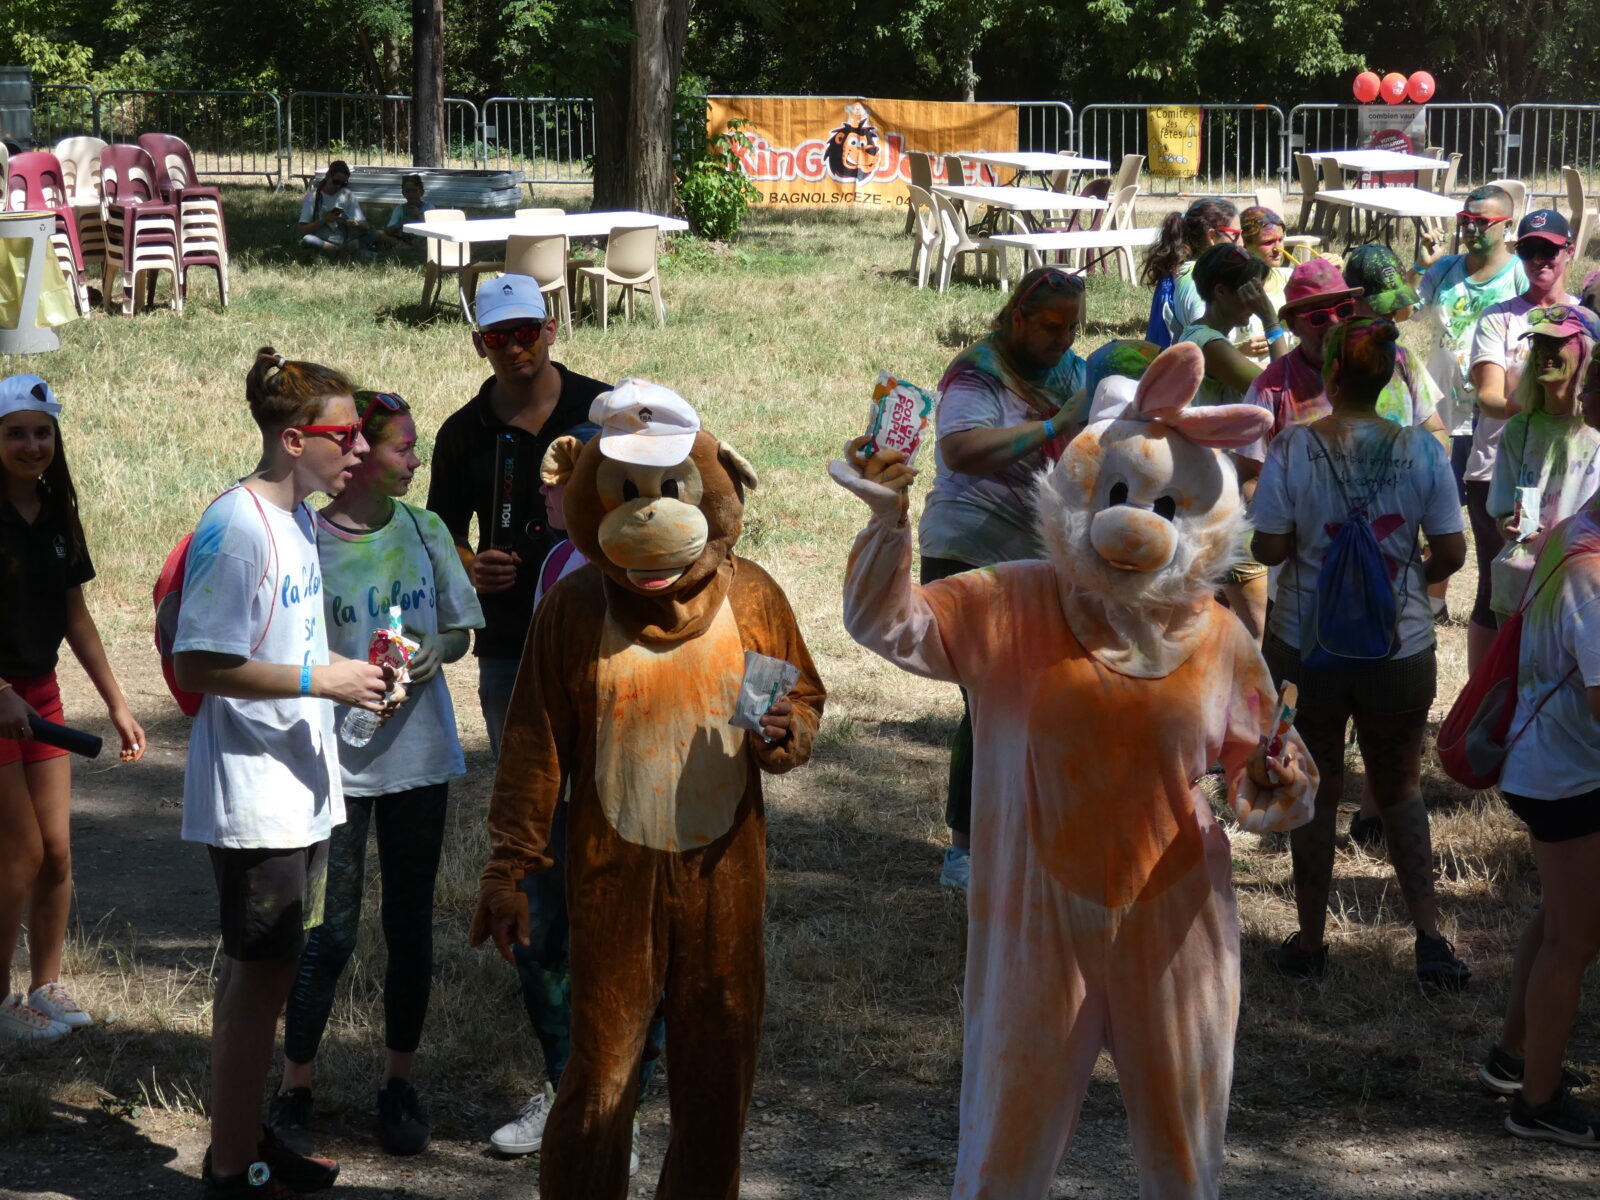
<point x="1321" y="318"/>
<point x="499" y="339"/>
<point x="387" y="401"/>
<point x="1058" y="281"/>
<point x="1482" y="222"/>
<point x="344" y="436"/>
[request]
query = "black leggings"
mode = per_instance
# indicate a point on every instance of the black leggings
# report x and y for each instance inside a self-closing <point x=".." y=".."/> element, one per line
<point x="410" y="835"/>
<point x="1487" y="541"/>
<point x="958" y="800"/>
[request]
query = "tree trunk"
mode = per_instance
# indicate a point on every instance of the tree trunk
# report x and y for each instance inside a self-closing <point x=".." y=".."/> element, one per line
<point x="612" y="102"/>
<point x="633" y="112"/>
<point x="428" y="144"/>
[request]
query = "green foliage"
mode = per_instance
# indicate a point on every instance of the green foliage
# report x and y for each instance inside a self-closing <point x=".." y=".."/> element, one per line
<point x="713" y="190"/>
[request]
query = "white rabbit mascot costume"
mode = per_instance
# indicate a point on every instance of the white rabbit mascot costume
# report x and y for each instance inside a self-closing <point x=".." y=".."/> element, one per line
<point x="1104" y="680"/>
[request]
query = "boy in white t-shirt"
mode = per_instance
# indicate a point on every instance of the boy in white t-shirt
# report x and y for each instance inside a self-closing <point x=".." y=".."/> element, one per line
<point x="262" y="786"/>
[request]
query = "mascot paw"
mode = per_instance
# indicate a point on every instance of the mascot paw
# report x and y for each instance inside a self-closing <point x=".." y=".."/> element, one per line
<point x="886" y="503"/>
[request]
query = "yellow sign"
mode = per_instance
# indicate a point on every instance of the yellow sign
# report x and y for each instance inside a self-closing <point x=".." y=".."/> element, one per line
<point x="1173" y="132"/>
<point x="818" y="151"/>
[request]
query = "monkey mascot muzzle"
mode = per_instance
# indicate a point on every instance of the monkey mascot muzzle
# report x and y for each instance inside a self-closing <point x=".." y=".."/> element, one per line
<point x="627" y="687"/>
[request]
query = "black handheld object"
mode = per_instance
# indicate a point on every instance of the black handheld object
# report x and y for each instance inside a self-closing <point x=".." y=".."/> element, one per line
<point x="504" y="514"/>
<point x="64" y="738"/>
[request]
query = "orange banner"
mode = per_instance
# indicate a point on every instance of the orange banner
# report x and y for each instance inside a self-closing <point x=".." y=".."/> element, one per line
<point x="812" y="151"/>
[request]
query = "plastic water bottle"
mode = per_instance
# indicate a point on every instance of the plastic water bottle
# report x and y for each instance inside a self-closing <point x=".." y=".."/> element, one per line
<point x="358" y="727"/>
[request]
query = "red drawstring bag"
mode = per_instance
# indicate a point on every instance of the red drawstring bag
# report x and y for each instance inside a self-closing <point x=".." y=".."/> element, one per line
<point x="168" y="596"/>
<point x="1473" y="741"/>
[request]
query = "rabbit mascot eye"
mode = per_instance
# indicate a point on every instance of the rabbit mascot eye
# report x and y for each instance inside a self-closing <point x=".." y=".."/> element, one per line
<point x="1104" y="682"/>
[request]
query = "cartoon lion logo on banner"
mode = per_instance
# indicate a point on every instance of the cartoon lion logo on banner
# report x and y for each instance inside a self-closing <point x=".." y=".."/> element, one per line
<point x="853" y="149"/>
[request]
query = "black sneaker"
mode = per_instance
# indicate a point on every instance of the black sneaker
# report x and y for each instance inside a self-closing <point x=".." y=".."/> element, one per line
<point x="1438" y="965"/>
<point x="1561" y="1119"/>
<point x="302" y="1175"/>
<point x="258" y="1183"/>
<point x="1367" y="832"/>
<point x="289" y="1118"/>
<point x="402" y="1123"/>
<point x="1294" y="962"/>
<point x="1502" y="1074"/>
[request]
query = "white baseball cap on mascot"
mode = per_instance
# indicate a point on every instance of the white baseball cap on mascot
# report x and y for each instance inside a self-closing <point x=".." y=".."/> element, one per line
<point x="644" y="423"/>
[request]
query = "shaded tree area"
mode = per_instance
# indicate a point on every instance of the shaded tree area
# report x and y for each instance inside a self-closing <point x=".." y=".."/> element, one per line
<point x="1127" y="50"/>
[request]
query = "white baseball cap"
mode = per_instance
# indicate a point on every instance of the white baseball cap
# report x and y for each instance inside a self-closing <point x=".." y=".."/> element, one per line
<point x="27" y="393"/>
<point x="509" y="298"/>
<point x="645" y="423"/>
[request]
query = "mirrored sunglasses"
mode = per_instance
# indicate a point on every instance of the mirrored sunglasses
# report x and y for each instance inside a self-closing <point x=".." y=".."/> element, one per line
<point x="499" y="339"/>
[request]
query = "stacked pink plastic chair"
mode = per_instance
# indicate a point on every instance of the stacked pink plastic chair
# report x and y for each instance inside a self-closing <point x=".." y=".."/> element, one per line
<point x="202" y="233"/>
<point x="34" y="183"/>
<point x="141" y="229"/>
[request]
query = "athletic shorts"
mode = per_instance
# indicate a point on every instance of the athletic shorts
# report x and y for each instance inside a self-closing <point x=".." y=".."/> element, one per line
<point x="44" y="693"/>
<point x="1557" y="820"/>
<point x="1390" y="688"/>
<point x="269" y="899"/>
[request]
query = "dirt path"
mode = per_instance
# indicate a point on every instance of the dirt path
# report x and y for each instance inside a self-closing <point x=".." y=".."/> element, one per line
<point x="76" y="1124"/>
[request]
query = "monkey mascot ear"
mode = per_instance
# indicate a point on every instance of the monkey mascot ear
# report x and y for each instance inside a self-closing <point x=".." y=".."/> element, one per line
<point x="738" y="468"/>
<point x="559" y="461"/>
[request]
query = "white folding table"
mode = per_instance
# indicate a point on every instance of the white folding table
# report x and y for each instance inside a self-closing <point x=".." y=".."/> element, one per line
<point x="1096" y="242"/>
<point x="573" y="225"/>
<point x="1028" y="201"/>
<point x="1380" y="161"/>
<point x="1032" y="162"/>
<point x="1388" y="203"/>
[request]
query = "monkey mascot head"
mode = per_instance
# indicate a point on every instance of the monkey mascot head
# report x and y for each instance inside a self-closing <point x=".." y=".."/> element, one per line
<point x="657" y="504"/>
<point x="1142" y="514"/>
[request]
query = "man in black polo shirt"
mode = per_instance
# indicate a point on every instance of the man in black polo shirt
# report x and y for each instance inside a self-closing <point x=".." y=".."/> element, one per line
<point x="486" y="463"/>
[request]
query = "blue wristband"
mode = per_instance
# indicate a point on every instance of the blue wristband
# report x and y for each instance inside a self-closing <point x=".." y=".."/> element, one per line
<point x="1049" y="429"/>
<point x="1274" y="334"/>
<point x="305" y="679"/>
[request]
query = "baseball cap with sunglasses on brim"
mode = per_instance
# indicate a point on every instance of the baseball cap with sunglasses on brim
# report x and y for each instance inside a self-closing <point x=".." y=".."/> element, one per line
<point x="1563" y="321"/>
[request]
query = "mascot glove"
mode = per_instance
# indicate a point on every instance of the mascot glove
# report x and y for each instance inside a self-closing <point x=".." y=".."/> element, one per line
<point x="498" y="900"/>
<point x="884" y="502"/>
<point x="1275" y="809"/>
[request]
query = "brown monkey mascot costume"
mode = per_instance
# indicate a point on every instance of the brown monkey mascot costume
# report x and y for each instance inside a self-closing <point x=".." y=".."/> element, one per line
<point x="629" y="679"/>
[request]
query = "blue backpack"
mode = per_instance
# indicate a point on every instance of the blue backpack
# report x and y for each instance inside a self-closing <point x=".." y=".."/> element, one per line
<point x="1355" y="614"/>
<point x="1156" y="331"/>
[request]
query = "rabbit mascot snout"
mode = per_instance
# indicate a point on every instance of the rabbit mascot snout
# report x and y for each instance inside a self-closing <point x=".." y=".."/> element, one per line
<point x="1104" y="681"/>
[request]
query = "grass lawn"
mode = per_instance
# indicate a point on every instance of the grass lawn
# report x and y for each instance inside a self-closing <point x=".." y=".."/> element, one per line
<point x="777" y="340"/>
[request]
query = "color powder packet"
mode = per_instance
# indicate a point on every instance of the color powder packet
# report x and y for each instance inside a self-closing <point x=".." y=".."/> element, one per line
<point x="1529" y="502"/>
<point x="766" y="681"/>
<point x="899" y="418"/>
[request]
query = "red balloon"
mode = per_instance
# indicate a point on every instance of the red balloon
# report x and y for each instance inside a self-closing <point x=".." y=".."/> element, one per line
<point x="1393" y="88"/>
<point x="1419" y="88"/>
<point x="1366" y="87"/>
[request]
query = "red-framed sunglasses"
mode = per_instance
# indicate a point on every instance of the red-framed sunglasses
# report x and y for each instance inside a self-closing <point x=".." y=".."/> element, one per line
<point x="499" y="339"/>
<point x="371" y="402"/>
<point x="1058" y="281"/>
<point x="344" y="436"/>
<point x="1335" y="314"/>
<point x="1482" y="222"/>
<point x="1233" y="233"/>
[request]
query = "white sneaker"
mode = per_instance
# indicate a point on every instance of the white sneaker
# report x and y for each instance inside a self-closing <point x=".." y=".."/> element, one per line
<point x="957" y="868"/>
<point x="524" y="1135"/>
<point x="633" y="1155"/>
<point x="22" y="1022"/>
<point x="55" y="1002"/>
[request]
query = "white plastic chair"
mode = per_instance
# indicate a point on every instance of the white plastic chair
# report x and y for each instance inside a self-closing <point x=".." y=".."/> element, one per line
<point x="1127" y="173"/>
<point x="1583" y="218"/>
<point x="923" y="218"/>
<point x="443" y="258"/>
<point x="955" y="240"/>
<point x="630" y="263"/>
<point x="921" y="177"/>
<point x="1519" y="199"/>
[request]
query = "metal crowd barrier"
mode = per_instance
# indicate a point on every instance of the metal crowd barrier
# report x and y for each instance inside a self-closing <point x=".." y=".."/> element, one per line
<point x="63" y="110"/>
<point x="368" y="130"/>
<point x="1241" y="146"/>
<point x="1045" y="125"/>
<point x="1543" y="138"/>
<point x="1475" y="131"/>
<point x="550" y="139"/>
<point x="229" y="132"/>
